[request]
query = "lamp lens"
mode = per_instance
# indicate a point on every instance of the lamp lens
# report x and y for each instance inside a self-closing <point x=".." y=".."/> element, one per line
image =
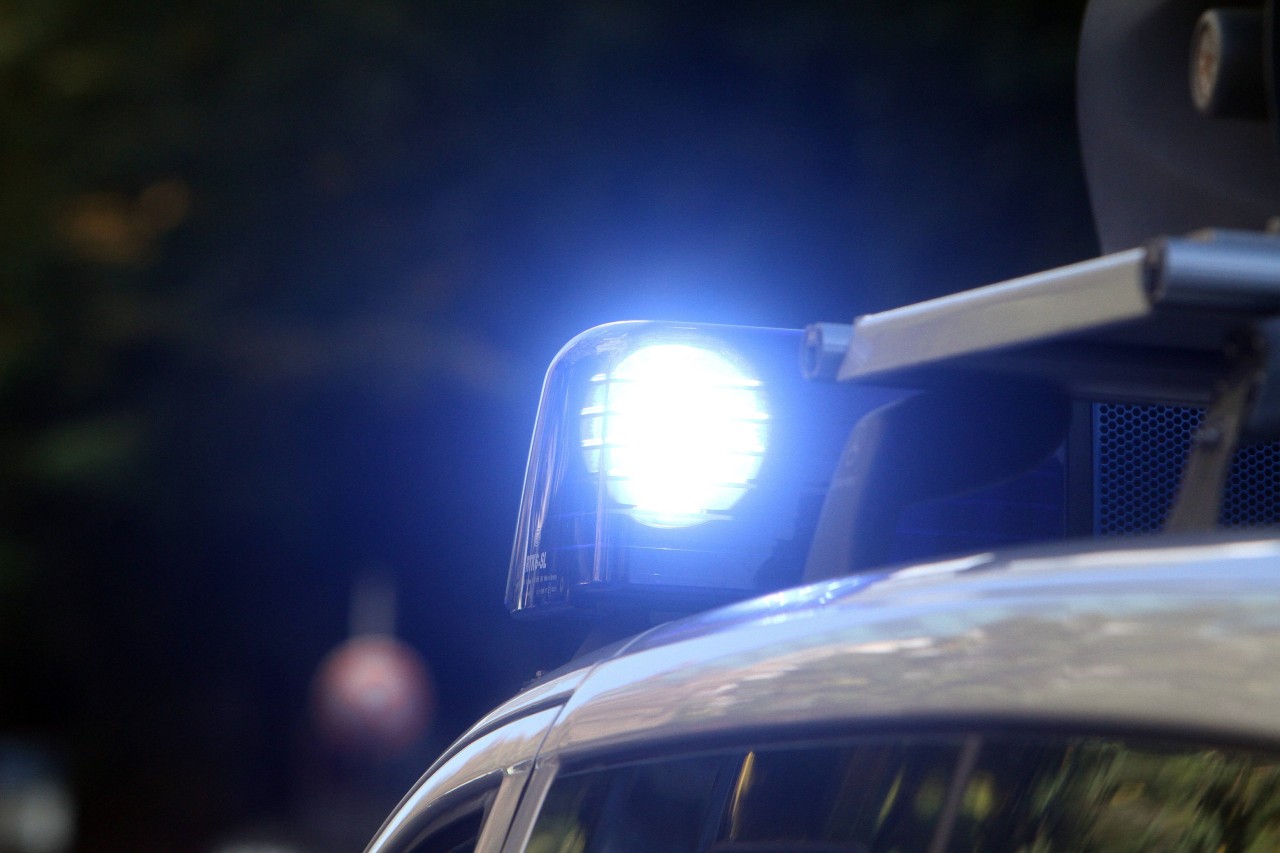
<point x="679" y="432"/>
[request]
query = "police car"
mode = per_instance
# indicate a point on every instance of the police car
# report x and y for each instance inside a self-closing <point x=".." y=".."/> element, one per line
<point x="818" y="624"/>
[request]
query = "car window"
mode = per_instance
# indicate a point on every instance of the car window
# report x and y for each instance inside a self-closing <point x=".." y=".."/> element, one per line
<point x="455" y="831"/>
<point x="1034" y="793"/>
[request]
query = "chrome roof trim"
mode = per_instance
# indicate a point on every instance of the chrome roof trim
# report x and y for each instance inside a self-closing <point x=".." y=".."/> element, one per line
<point x="545" y="694"/>
<point x="1171" y="633"/>
<point x="552" y="693"/>
<point x="498" y="754"/>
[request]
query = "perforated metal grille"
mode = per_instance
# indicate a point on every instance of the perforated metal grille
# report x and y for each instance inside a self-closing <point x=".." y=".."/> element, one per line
<point x="1139" y="452"/>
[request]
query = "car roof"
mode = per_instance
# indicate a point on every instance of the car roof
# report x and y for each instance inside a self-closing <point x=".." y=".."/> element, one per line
<point x="1172" y="634"/>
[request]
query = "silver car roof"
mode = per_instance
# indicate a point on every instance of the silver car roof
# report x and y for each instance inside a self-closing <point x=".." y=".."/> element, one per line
<point x="1173" y="634"/>
<point x="1159" y="635"/>
<point x="1156" y="631"/>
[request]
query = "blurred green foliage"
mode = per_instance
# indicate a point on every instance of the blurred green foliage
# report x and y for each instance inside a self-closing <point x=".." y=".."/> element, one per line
<point x="280" y="195"/>
<point x="269" y="266"/>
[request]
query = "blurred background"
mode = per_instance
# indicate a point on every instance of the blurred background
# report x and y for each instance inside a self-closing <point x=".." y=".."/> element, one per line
<point x="279" y="284"/>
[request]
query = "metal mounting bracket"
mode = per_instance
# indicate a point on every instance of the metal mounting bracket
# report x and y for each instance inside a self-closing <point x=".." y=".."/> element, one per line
<point x="1245" y="410"/>
<point x="1213" y="445"/>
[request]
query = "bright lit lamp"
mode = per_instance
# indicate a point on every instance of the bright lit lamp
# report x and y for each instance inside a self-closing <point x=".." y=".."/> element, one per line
<point x="681" y="429"/>
<point x="673" y="466"/>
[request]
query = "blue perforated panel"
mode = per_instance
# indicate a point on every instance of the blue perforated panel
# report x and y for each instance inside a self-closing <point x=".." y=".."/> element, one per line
<point x="1139" y="452"/>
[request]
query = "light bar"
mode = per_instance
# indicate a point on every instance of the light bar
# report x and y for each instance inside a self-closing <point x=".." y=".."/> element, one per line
<point x="674" y="466"/>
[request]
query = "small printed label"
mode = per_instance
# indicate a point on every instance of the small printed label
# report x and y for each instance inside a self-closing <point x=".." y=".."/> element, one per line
<point x="540" y="585"/>
<point x="548" y="586"/>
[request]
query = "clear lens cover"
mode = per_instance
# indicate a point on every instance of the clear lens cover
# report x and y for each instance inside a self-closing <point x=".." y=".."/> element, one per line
<point x="679" y="432"/>
<point x="673" y="467"/>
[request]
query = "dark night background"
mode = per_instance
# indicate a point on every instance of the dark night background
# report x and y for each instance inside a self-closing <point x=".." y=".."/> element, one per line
<point x="280" y="281"/>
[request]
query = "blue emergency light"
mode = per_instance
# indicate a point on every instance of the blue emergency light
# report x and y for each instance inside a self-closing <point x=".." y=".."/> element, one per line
<point x="674" y="467"/>
<point x="676" y="433"/>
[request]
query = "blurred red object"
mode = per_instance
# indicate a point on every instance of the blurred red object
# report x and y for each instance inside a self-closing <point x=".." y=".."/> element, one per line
<point x="373" y="696"/>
